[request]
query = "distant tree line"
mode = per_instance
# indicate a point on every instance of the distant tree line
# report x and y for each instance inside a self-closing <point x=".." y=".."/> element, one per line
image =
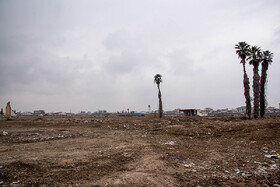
<point x="255" y="56"/>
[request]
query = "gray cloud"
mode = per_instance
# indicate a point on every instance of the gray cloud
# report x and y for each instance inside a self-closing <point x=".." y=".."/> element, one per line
<point x="90" y="55"/>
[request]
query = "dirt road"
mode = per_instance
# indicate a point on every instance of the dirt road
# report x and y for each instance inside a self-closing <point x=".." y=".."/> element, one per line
<point x="139" y="151"/>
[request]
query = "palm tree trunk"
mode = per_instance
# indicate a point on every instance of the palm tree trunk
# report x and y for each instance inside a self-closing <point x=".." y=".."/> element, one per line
<point x="262" y="94"/>
<point x="160" y="102"/>
<point x="256" y="89"/>
<point x="246" y="84"/>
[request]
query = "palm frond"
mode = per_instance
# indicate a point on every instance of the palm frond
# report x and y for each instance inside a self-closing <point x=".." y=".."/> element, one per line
<point x="255" y="55"/>
<point x="242" y="50"/>
<point x="267" y="57"/>
<point x="157" y="78"/>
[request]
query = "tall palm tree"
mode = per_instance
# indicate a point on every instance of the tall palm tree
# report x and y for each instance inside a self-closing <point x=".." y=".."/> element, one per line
<point x="242" y="50"/>
<point x="266" y="60"/>
<point x="158" y="80"/>
<point x="255" y="60"/>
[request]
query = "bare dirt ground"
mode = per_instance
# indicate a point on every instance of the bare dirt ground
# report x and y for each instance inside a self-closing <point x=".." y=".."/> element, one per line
<point x="139" y="151"/>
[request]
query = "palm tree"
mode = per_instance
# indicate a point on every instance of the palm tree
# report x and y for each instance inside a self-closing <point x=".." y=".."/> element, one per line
<point x="158" y="80"/>
<point x="255" y="60"/>
<point x="242" y="50"/>
<point x="266" y="60"/>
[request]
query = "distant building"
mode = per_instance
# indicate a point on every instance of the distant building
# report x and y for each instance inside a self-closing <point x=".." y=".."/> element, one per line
<point x="202" y="113"/>
<point x="101" y="112"/>
<point x="170" y="112"/>
<point x="223" y="111"/>
<point x="209" y="110"/>
<point x="188" y="112"/>
<point x="26" y="113"/>
<point x="271" y="110"/>
<point x="173" y="112"/>
<point x="241" y="109"/>
<point x="38" y="112"/>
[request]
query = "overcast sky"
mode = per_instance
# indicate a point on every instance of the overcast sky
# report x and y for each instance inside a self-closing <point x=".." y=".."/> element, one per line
<point x="63" y="55"/>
